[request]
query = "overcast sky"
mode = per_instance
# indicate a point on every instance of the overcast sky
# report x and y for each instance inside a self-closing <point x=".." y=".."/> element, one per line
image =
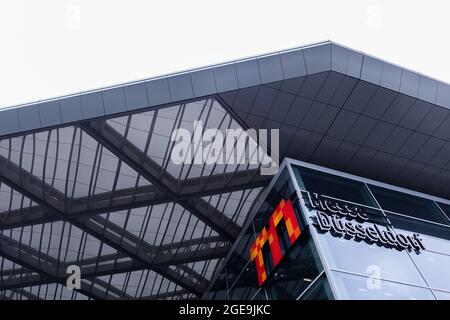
<point x="51" y="48"/>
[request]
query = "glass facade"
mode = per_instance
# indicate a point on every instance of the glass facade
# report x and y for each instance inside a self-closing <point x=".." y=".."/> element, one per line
<point x="359" y="240"/>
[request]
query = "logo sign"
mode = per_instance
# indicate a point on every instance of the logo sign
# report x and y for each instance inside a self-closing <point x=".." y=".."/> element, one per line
<point x="335" y="217"/>
<point x="284" y="211"/>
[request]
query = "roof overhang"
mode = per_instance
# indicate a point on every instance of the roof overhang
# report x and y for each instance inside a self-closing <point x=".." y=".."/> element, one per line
<point x="334" y="107"/>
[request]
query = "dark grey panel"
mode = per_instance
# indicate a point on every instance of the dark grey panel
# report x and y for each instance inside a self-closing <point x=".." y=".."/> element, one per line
<point x="412" y="145"/>
<point x="245" y="98"/>
<point x="254" y="121"/>
<point x="397" y="138"/>
<point x="135" y="96"/>
<point x="330" y="86"/>
<point x="71" y="109"/>
<point x="429" y="150"/>
<point x="298" y="111"/>
<point x="280" y="106"/>
<point x="92" y="105"/>
<point x="9" y="121"/>
<point x="344" y="90"/>
<point x="412" y="169"/>
<point x="309" y="146"/>
<point x="292" y="85"/>
<point x="361" y="129"/>
<point x="443" y="131"/>
<point x="415" y="114"/>
<point x="377" y="163"/>
<point x="326" y="119"/>
<point x="29" y="118"/>
<point x="379" y="134"/>
<point x="442" y="157"/>
<point x="343" y="155"/>
<point x="432" y="120"/>
<point x="313" y="116"/>
<point x="312" y="85"/>
<point x="399" y="107"/>
<point x="270" y="69"/>
<point x="379" y="102"/>
<point x="360" y="159"/>
<point x="263" y="101"/>
<point x="360" y="97"/>
<point x="325" y="150"/>
<point x="342" y="124"/>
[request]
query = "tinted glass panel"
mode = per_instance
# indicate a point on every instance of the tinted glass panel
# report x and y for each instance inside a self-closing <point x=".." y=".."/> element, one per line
<point x="364" y="288"/>
<point x="296" y="272"/>
<point x="333" y="186"/>
<point x="422" y="227"/>
<point x="446" y="209"/>
<point x="442" y="295"/>
<point x="408" y="205"/>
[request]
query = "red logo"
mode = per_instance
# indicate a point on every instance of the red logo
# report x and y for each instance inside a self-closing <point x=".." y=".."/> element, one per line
<point x="284" y="211"/>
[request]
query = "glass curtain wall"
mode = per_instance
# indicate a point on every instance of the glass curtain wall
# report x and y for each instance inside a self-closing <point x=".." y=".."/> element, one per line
<point x="330" y="264"/>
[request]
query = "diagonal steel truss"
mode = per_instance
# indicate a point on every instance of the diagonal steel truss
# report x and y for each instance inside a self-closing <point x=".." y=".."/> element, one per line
<point x="172" y="261"/>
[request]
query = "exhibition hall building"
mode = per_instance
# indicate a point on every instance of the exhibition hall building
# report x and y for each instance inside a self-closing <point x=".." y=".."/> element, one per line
<point x="347" y="198"/>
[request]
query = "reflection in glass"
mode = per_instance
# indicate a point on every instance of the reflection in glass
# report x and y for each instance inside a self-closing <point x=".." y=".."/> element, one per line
<point x="421" y="227"/>
<point x="320" y="290"/>
<point x="407" y="204"/>
<point x="371" y="259"/>
<point x="246" y="284"/>
<point x="442" y="295"/>
<point x="333" y="186"/>
<point x="353" y="287"/>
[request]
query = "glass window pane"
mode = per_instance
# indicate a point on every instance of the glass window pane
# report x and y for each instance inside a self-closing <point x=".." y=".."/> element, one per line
<point x="320" y="290"/>
<point x="407" y="204"/>
<point x="333" y="186"/>
<point x="385" y="263"/>
<point x="296" y="271"/>
<point x="445" y="208"/>
<point x="246" y="284"/>
<point x="353" y="287"/>
<point x="435" y="268"/>
<point x="421" y="227"/>
<point x="442" y="295"/>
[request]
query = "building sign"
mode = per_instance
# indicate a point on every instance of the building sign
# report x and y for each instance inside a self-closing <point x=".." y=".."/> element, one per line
<point x="283" y="212"/>
<point x="336" y="217"/>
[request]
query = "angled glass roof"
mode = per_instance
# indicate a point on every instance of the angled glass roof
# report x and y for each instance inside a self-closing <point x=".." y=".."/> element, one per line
<point x="103" y="195"/>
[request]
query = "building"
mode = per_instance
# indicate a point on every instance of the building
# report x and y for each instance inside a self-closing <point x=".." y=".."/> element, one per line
<point x="359" y="207"/>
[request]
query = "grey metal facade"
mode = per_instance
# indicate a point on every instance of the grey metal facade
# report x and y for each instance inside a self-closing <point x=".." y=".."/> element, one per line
<point x="87" y="179"/>
<point x="334" y="265"/>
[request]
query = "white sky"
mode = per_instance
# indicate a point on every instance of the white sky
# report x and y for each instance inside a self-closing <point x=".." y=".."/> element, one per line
<point x="51" y="48"/>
